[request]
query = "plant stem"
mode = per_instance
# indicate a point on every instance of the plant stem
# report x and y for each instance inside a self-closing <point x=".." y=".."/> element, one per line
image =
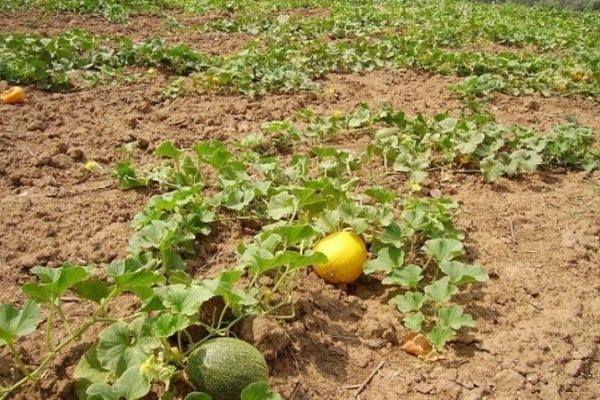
<point x="113" y="320"/>
<point x="63" y="317"/>
<point x="214" y="332"/>
<point x="179" y="344"/>
<point x="11" y="389"/>
<point x="222" y="316"/>
<point x="281" y="279"/>
<point x="277" y="307"/>
<point x="20" y="364"/>
<point x="49" y="323"/>
<point x="167" y="346"/>
<point x="76" y="335"/>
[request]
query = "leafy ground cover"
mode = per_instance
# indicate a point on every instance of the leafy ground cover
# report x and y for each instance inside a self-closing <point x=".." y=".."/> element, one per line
<point x="146" y="180"/>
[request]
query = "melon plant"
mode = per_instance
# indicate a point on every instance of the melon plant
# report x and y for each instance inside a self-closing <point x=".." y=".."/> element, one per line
<point x="224" y="367"/>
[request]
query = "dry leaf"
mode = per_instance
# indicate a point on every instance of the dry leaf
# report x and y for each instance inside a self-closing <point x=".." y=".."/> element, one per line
<point x="416" y="344"/>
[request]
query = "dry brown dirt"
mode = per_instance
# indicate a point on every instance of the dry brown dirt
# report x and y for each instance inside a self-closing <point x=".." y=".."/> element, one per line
<point x="538" y="317"/>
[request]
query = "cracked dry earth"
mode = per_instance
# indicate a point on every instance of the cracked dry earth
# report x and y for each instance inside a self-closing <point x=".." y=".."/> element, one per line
<point x="538" y="317"/>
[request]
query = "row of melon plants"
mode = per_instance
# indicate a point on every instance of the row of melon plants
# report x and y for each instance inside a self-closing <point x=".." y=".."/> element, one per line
<point x="289" y="52"/>
<point x="319" y="207"/>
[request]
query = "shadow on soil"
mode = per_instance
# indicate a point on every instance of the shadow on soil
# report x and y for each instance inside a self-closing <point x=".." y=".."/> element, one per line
<point x="323" y="331"/>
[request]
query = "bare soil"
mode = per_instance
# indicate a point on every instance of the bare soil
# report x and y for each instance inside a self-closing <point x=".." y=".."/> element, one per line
<point x="538" y="318"/>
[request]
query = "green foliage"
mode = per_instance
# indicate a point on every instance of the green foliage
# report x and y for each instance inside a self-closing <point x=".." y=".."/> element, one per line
<point x="16" y="323"/>
<point x="414" y="244"/>
<point x="112" y="10"/>
<point x="292" y="53"/>
<point x="559" y="4"/>
<point x="259" y="391"/>
<point x="295" y="200"/>
<point x="50" y="63"/>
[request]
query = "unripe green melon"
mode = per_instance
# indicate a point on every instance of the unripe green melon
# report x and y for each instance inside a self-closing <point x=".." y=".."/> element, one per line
<point x="224" y="367"/>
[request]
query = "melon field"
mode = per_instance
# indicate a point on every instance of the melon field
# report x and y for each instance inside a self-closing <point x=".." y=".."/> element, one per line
<point x="386" y="199"/>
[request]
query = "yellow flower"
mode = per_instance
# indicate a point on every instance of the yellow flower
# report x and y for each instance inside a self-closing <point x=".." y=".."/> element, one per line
<point x="406" y="141"/>
<point x="415" y="187"/>
<point x="337" y="114"/>
<point x="91" y="165"/>
<point x="148" y="366"/>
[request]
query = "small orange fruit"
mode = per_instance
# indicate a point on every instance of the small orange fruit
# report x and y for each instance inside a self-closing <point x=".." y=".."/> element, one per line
<point x="347" y="255"/>
<point x="15" y="94"/>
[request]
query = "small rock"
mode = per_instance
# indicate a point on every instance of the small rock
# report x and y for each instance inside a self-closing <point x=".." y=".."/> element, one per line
<point x="133" y="123"/>
<point x="435" y="193"/>
<point x="532" y="290"/>
<point x="573" y="368"/>
<point x="363" y="362"/>
<point x="61" y="161"/>
<point x="62" y="147"/>
<point x="36" y="125"/>
<point x="43" y="159"/>
<point x="75" y="154"/>
<point x="143" y="143"/>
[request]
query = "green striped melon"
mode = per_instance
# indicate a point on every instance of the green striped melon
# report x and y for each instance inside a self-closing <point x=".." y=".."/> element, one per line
<point x="223" y="367"/>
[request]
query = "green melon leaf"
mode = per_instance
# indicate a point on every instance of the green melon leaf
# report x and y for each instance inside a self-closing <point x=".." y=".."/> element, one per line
<point x="92" y="289"/>
<point x="197" y="396"/>
<point x="168" y="150"/>
<point x="440" y="291"/>
<point x="181" y="299"/>
<point x="388" y="259"/>
<point x="15" y="323"/>
<point x="439" y="336"/>
<point x="454" y="317"/>
<point x="87" y="372"/>
<point x="409" y="301"/>
<point x="443" y="249"/>
<point x="414" y="321"/>
<point x="132" y="384"/>
<point x="260" y="391"/>
<point x="122" y="346"/>
<point x="56" y="281"/>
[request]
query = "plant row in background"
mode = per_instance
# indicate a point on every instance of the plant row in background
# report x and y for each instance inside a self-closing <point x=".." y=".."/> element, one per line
<point x="292" y="53"/>
<point x="446" y="24"/>
<point x="292" y="201"/>
<point x="119" y="11"/>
